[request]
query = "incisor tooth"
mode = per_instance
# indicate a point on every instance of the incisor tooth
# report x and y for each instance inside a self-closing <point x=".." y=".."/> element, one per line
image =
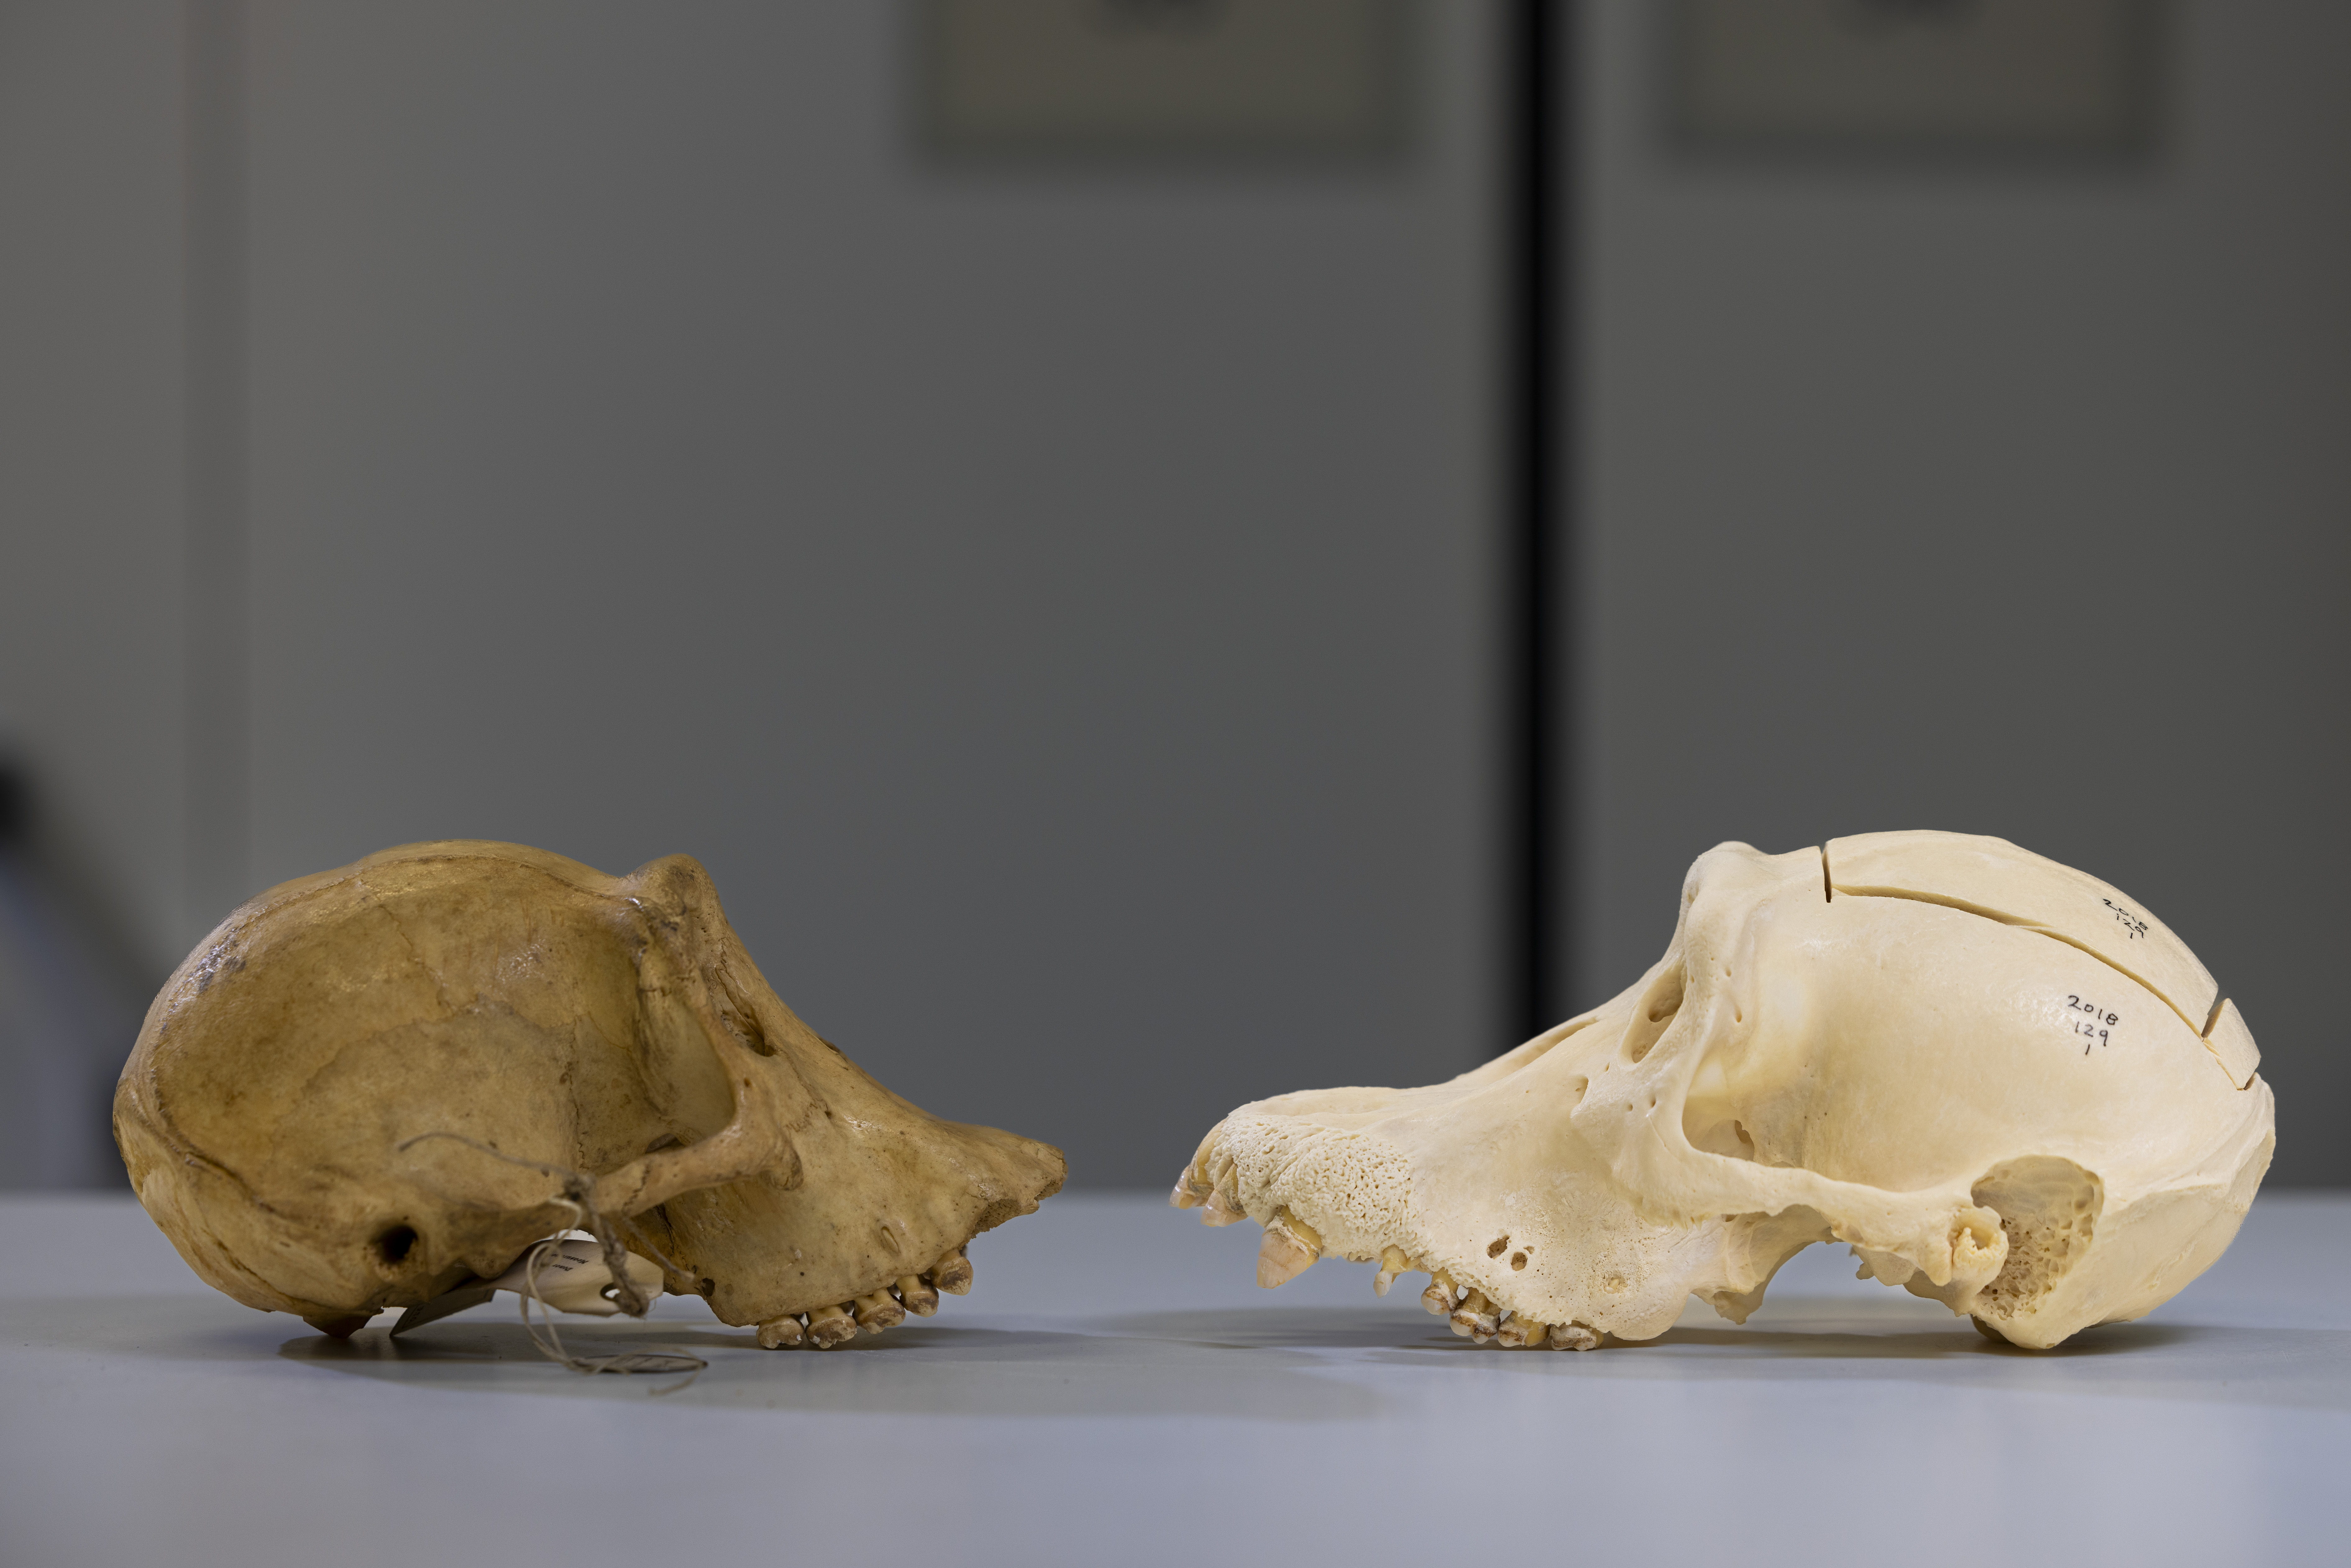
<point x="1572" y="1336"/>
<point x="1475" y="1318"/>
<point x="782" y="1334"/>
<point x="1192" y="1188"/>
<point x="879" y="1310"/>
<point x="1438" y="1298"/>
<point x="1288" y="1251"/>
<point x="920" y="1299"/>
<point x="1223" y="1209"/>
<point x="1393" y="1262"/>
<point x="830" y="1326"/>
<point x="952" y="1274"/>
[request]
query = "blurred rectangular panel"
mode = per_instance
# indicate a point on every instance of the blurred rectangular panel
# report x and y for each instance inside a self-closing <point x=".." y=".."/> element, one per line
<point x="1955" y="76"/>
<point x="1162" y="77"/>
<point x="2003" y="506"/>
<point x="1053" y="610"/>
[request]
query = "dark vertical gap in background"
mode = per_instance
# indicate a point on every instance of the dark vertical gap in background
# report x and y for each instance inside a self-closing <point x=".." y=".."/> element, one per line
<point x="1536" y="872"/>
<point x="217" y="715"/>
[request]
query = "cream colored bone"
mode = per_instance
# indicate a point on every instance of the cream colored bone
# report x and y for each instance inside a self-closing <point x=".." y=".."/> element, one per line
<point x="2004" y="1084"/>
<point x="571" y="1276"/>
<point x="375" y="1085"/>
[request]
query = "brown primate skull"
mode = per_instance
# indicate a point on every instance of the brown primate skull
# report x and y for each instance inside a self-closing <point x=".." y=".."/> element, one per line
<point x="373" y="1086"/>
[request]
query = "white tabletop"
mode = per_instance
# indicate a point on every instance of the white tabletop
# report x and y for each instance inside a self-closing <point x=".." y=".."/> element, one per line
<point x="1117" y="1390"/>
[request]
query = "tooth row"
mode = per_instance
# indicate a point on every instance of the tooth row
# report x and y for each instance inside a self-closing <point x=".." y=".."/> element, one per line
<point x="1290" y="1246"/>
<point x="825" y="1327"/>
<point x="1475" y="1318"/>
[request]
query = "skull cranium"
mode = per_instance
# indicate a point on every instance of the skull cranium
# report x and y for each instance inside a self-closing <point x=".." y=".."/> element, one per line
<point x="376" y="1085"/>
<point x="2006" y="1084"/>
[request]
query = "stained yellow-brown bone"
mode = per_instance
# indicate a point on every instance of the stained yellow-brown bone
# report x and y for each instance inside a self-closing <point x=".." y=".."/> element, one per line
<point x="369" y="1086"/>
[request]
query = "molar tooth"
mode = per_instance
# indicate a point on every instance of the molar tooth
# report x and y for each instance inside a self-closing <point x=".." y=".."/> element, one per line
<point x="919" y="1298"/>
<point x="1288" y="1251"/>
<point x="1438" y="1298"/>
<point x="782" y="1334"/>
<point x="1521" y="1331"/>
<point x="1572" y="1336"/>
<point x="879" y="1310"/>
<point x="831" y="1326"/>
<point x="1475" y="1318"/>
<point x="1393" y="1262"/>
<point x="952" y="1274"/>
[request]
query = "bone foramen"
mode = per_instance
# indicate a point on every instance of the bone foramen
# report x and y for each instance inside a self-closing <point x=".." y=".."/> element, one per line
<point x="385" y="1085"/>
<point x="2006" y="1084"/>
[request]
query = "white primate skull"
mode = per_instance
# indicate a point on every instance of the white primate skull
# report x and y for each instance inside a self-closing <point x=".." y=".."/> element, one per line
<point x="2006" y="1085"/>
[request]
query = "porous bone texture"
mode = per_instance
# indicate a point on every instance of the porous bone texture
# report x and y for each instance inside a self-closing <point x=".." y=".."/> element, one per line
<point x="316" y="1106"/>
<point x="2004" y="1084"/>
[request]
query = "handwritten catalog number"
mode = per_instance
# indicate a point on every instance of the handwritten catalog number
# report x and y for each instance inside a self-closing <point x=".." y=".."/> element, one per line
<point x="2091" y="1021"/>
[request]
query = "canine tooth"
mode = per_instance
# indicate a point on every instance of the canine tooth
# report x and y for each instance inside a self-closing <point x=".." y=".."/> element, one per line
<point x="781" y="1333"/>
<point x="1438" y="1298"/>
<point x="1519" y="1332"/>
<point x="830" y="1326"/>
<point x="1475" y="1318"/>
<point x="1393" y="1262"/>
<point x="879" y="1310"/>
<point x="1572" y="1336"/>
<point x="952" y="1274"/>
<point x="919" y="1298"/>
<point x="1288" y="1251"/>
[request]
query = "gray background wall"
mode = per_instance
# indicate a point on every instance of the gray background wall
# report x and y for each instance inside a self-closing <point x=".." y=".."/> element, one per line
<point x="91" y="483"/>
<point x="2009" y="501"/>
<point x="1056" y="606"/>
<point x="1051" y="602"/>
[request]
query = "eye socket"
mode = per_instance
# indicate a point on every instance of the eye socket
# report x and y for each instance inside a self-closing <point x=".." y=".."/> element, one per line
<point x="1657" y="1014"/>
<point x="394" y="1244"/>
